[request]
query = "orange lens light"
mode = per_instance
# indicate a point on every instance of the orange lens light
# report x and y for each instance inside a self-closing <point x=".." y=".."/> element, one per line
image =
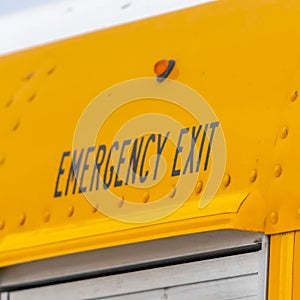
<point x="161" y="67"/>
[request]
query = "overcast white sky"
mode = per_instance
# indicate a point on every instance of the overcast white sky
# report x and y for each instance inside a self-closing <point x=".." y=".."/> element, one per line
<point x="27" y="23"/>
<point x="12" y="6"/>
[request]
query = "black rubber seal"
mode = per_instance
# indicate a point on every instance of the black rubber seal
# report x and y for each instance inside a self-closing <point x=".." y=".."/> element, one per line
<point x="163" y="76"/>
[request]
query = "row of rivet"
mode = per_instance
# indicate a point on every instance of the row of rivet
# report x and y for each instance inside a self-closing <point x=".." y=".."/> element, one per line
<point x="146" y="197"/>
<point x="30" y="99"/>
<point x="278" y="169"/>
<point x="46" y="217"/>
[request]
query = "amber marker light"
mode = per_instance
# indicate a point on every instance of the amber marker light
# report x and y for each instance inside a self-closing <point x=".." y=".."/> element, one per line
<point x="163" y="68"/>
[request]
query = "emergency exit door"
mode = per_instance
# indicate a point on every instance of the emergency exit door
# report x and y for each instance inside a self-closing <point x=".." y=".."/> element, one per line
<point x="231" y="265"/>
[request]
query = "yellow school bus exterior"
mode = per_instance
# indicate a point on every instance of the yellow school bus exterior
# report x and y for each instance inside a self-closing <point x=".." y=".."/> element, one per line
<point x="154" y="156"/>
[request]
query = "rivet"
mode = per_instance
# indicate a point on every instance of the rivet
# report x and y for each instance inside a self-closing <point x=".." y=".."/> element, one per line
<point x="51" y="70"/>
<point x="22" y="219"/>
<point x="70" y="211"/>
<point x="173" y="192"/>
<point x="198" y="187"/>
<point x="146" y="197"/>
<point x="253" y="175"/>
<point x="294" y="96"/>
<point x="2" y="225"/>
<point x="121" y="203"/>
<point x="298" y="213"/>
<point x="9" y="102"/>
<point x="2" y="161"/>
<point x="274" y="217"/>
<point x="277" y="171"/>
<point x="31" y="98"/>
<point x="95" y="207"/>
<point x="284" y="132"/>
<point x="226" y="180"/>
<point x="46" y="216"/>
<point x="29" y="76"/>
<point x="16" y="126"/>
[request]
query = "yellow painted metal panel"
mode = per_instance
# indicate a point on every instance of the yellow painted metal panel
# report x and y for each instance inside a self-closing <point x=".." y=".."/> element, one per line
<point x="281" y="266"/>
<point x="236" y="54"/>
<point x="274" y="260"/>
<point x="296" y="274"/>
